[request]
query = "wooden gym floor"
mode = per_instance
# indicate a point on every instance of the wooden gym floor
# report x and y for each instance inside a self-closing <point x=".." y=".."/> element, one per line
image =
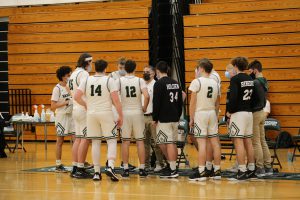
<point x="17" y="184"/>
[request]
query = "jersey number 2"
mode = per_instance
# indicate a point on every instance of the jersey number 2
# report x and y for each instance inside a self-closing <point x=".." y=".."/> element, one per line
<point x="97" y="90"/>
<point x="209" y="92"/>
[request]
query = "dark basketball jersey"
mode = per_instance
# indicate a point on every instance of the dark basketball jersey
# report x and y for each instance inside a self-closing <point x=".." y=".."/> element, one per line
<point x="240" y="95"/>
<point x="167" y="100"/>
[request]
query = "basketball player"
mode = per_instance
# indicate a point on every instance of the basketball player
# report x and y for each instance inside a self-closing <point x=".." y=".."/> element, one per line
<point x="167" y="109"/>
<point x="101" y="92"/>
<point x="61" y="103"/>
<point x="131" y="90"/>
<point x="81" y="144"/>
<point x="209" y="152"/>
<point x="150" y="132"/>
<point x="116" y="75"/>
<point x="204" y="109"/>
<point x="241" y="119"/>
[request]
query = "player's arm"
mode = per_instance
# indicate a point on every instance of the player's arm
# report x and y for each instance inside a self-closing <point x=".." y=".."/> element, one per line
<point x="233" y="96"/>
<point x="180" y="102"/>
<point x="78" y="97"/>
<point x="145" y="94"/>
<point x="116" y="102"/>
<point x="156" y="101"/>
<point x="192" y="108"/>
<point x="183" y="95"/>
<point x="146" y="99"/>
<point x="54" y="100"/>
<point x="80" y="92"/>
<point x="194" y="88"/>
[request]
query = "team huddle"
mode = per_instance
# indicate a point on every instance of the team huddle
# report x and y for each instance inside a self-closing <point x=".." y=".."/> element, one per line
<point x="105" y="107"/>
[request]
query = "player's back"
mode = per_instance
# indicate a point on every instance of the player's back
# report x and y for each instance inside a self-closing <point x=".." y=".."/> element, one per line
<point x="131" y="94"/>
<point x="76" y="77"/>
<point x="241" y="87"/>
<point x="207" y="95"/>
<point x="97" y="93"/>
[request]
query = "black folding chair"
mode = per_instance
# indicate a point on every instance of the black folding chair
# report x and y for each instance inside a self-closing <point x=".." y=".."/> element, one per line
<point x="183" y="129"/>
<point x="273" y="142"/>
<point x="296" y="140"/>
<point x="225" y="140"/>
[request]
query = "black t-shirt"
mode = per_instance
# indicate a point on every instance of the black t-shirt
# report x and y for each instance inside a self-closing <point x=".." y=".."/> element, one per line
<point x="240" y="95"/>
<point x="167" y="100"/>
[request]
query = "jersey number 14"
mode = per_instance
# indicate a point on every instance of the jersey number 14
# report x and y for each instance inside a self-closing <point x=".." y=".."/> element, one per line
<point x="96" y="90"/>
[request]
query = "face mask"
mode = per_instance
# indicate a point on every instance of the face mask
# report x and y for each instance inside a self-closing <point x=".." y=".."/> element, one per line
<point x="252" y="75"/>
<point x="227" y="74"/>
<point x="197" y="73"/>
<point x="89" y="68"/>
<point x="146" y="76"/>
<point x="122" y="72"/>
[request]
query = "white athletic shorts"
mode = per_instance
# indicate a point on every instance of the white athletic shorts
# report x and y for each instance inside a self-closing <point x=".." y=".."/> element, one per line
<point x="206" y="124"/>
<point x="64" y="124"/>
<point x="101" y="125"/>
<point x="167" y="133"/>
<point x="133" y="125"/>
<point x="79" y="117"/>
<point x="241" y="125"/>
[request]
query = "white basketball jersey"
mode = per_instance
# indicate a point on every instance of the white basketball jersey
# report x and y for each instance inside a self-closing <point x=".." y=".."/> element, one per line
<point x="60" y="94"/>
<point x="215" y="76"/>
<point x="76" y="77"/>
<point x="97" y="92"/>
<point x="207" y="94"/>
<point x="131" y="94"/>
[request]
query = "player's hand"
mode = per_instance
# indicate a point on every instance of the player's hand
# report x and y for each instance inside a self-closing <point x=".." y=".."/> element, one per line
<point x="120" y="122"/>
<point x="228" y="114"/>
<point x="154" y="123"/>
<point x="191" y="123"/>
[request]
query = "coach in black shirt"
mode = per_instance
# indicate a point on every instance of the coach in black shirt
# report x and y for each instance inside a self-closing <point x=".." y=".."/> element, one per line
<point x="167" y="109"/>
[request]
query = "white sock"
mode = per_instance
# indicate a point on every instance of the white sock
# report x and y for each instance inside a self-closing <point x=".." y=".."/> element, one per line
<point x="251" y="166"/>
<point x="208" y="165"/>
<point x="125" y="165"/>
<point x="111" y="152"/>
<point x="216" y="168"/>
<point x="172" y="165"/>
<point x="80" y="165"/>
<point x="142" y="166"/>
<point x="242" y="168"/>
<point x="96" y="145"/>
<point x="74" y="164"/>
<point x="111" y="163"/>
<point x="58" y="162"/>
<point x="201" y="169"/>
<point x="97" y="168"/>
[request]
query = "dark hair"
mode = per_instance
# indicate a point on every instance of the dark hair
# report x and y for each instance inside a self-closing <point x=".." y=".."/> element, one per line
<point x="255" y="65"/>
<point x="81" y="60"/>
<point x="240" y="62"/>
<point x="206" y="65"/>
<point x="100" y="65"/>
<point x="150" y="67"/>
<point x="62" y="71"/>
<point x="130" y="66"/>
<point x="163" y="67"/>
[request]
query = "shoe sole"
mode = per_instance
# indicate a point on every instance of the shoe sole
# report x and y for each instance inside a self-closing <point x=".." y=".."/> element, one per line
<point x="57" y="171"/>
<point x="112" y="176"/>
<point x="172" y="176"/>
<point x="96" y="179"/>
<point x="198" y="179"/>
<point x="216" y="177"/>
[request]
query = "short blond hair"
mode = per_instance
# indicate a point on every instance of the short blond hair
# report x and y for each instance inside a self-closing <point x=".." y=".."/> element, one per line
<point x="122" y="61"/>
